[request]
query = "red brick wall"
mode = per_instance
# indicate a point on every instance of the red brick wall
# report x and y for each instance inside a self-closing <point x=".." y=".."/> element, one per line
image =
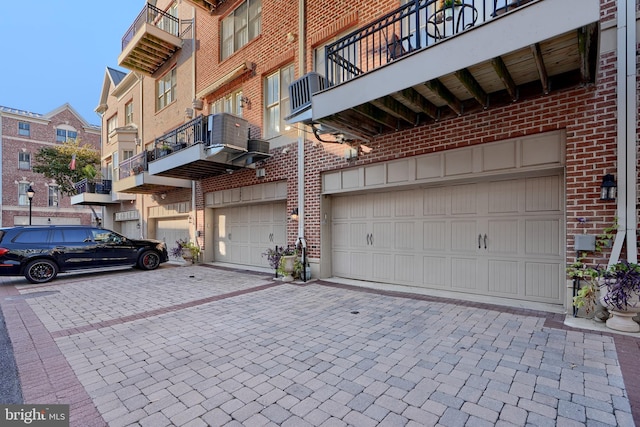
<point x="42" y="134"/>
<point x="587" y="114"/>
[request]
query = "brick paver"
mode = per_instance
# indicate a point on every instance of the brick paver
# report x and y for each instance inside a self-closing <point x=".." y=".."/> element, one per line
<point x="204" y="346"/>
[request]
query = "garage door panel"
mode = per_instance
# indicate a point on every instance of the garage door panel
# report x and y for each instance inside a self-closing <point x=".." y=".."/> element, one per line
<point x="543" y="237"/>
<point x="382" y="235"/>
<point x="383" y="267"/>
<point x="244" y="233"/>
<point x="542" y="282"/>
<point x="171" y="230"/>
<point x="543" y="194"/>
<point x="502" y="237"/>
<point x="503" y="196"/>
<point x="464" y="273"/>
<point x="464" y="236"/>
<point x="504" y="278"/>
<point x="434" y="271"/>
<point x="499" y="237"/>
<point x="434" y="234"/>
<point x="405" y="236"/>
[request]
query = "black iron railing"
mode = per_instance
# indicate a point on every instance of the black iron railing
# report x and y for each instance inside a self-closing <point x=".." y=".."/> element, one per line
<point x="152" y="15"/>
<point x="133" y="165"/>
<point x="413" y="26"/>
<point x="98" y="186"/>
<point x="193" y="132"/>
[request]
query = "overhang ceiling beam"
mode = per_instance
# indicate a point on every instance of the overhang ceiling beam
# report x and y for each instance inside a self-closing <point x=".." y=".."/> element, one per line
<point x="472" y="85"/>
<point x="504" y="75"/>
<point x="449" y="98"/>
<point x="542" y="70"/>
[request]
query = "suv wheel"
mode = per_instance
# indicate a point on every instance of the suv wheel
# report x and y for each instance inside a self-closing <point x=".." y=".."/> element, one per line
<point x="149" y="260"/>
<point x="41" y="271"/>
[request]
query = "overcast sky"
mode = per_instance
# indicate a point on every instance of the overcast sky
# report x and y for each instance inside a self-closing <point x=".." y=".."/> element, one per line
<point x="57" y="51"/>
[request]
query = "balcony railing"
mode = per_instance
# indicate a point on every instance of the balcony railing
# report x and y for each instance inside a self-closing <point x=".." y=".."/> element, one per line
<point x="413" y="26"/>
<point x="181" y="137"/>
<point x="98" y="186"/>
<point x="154" y="16"/>
<point x="133" y="165"/>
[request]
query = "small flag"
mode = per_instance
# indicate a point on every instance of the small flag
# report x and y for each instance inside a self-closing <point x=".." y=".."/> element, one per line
<point x="72" y="165"/>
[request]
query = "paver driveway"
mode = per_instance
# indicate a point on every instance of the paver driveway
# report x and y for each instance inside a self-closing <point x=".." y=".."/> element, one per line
<point x="198" y="346"/>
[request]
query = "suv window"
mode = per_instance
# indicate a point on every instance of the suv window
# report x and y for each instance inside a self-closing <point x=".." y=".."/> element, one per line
<point x="70" y="236"/>
<point x="32" y="236"/>
<point x="106" y="236"/>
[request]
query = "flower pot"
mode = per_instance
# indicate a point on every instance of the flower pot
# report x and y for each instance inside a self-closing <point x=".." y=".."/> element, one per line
<point x="621" y="319"/>
<point x="288" y="262"/>
<point x="187" y="255"/>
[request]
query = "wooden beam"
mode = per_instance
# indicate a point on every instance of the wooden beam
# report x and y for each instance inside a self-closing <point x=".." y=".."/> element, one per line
<point x="588" y="47"/>
<point x="417" y="102"/>
<point x="504" y="75"/>
<point x="391" y="106"/>
<point x="542" y="70"/>
<point x="377" y="115"/>
<point x="449" y="98"/>
<point x="472" y="85"/>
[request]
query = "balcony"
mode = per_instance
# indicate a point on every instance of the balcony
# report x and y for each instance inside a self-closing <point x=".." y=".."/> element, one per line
<point x="134" y="177"/>
<point x="150" y="41"/>
<point x="207" y="146"/>
<point x="94" y="192"/>
<point x="418" y="65"/>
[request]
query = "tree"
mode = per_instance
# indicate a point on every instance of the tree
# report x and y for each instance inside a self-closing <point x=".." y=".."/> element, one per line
<point x="55" y="163"/>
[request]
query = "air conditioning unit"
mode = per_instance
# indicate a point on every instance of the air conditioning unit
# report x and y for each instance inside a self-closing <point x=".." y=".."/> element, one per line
<point x="227" y="129"/>
<point x="301" y="90"/>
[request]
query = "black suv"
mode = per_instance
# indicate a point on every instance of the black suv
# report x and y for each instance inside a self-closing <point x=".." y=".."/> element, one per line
<point x="40" y="252"/>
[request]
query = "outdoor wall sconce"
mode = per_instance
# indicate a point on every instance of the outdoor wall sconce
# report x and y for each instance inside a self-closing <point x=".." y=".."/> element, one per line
<point x="294" y="214"/>
<point x="138" y="225"/>
<point x="245" y="102"/>
<point x="608" y="188"/>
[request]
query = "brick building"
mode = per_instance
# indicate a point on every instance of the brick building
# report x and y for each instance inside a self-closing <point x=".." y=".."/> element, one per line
<point x="447" y="148"/>
<point x="22" y="134"/>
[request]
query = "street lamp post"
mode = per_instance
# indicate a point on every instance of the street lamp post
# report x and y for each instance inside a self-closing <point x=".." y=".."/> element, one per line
<point x="30" y="194"/>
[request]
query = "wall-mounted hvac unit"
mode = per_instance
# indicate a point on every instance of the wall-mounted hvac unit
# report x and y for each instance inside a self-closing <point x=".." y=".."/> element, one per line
<point x="301" y="90"/>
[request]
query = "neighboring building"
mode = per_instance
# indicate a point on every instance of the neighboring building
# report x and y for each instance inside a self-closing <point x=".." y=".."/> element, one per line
<point x="450" y="149"/>
<point x="22" y="135"/>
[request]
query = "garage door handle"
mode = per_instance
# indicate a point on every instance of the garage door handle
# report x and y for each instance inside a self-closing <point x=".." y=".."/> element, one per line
<point x="479" y="241"/>
<point x="229" y="236"/>
<point x="371" y="238"/>
<point x="485" y="241"/>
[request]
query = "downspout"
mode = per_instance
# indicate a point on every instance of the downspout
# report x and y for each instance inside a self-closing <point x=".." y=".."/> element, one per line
<point x="194" y="208"/>
<point x="626" y="134"/>
<point x="144" y="223"/>
<point x="302" y="68"/>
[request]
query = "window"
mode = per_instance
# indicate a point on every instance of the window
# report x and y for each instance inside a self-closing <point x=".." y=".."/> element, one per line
<point x="53" y="195"/>
<point x="128" y="113"/>
<point x="277" y="101"/>
<point x="112" y="123"/>
<point x="24" y="160"/>
<point x="62" y="135"/>
<point x="32" y="236"/>
<point x="229" y="104"/>
<point x="24" y="129"/>
<point x="23" y="200"/>
<point x="240" y="27"/>
<point x="166" y="90"/>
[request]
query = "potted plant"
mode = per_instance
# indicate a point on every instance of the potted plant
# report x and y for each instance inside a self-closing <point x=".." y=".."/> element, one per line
<point x="90" y="173"/>
<point x="620" y="293"/>
<point x="186" y="249"/>
<point x="587" y="296"/>
<point x="285" y="261"/>
<point x="448" y="6"/>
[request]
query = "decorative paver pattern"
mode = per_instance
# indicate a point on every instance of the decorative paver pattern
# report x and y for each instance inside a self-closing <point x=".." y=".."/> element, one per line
<point x="234" y="348"/>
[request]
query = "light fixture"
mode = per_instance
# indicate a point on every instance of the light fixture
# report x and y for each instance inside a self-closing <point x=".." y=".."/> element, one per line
<point x="30" y="194"/>
<point x="138" y="225"/>
<point x="245" y="102"/>
<point x="163" y="196"/>
<point x="294" y="214"/>
<point x="49" y="221"/>
<point x="608" y="188"/>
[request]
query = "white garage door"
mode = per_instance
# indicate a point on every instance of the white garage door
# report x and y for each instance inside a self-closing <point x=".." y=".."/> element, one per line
<point x="500" y="238"/>
<point x="170" y="230"/>
<point x="130" y="229"/>
<point x="244" y="233"/>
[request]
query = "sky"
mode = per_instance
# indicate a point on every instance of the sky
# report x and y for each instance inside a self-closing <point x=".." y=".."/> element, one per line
<point x="57" y="51"/>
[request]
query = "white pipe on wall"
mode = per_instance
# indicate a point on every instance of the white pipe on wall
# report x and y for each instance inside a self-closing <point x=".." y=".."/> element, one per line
<point x="301" y="137"/>
<point x="626" y="132"/>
